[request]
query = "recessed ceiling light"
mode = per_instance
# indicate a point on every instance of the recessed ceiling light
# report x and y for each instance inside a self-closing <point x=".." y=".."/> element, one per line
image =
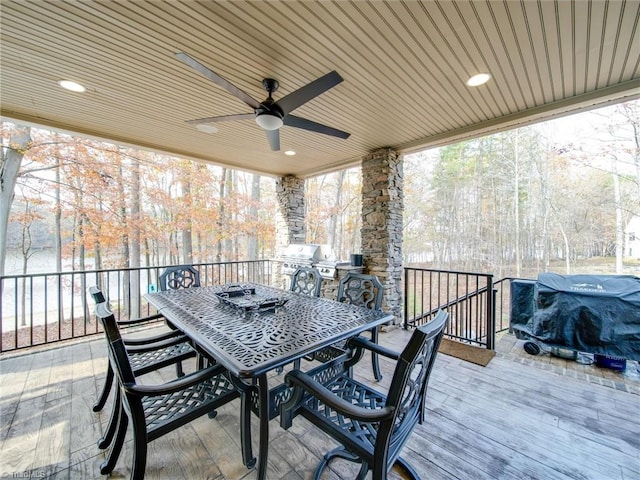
<point x="203" y="127"/>
<point x="289" y="152"/>
<point x="72" y="86"/>
<point x="478" y="79"/>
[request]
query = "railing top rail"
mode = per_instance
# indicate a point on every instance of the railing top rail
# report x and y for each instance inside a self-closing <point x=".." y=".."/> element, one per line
<point x="504" y="279"/>
<point x="456" y="272"/>
<point x="126" y="269"/>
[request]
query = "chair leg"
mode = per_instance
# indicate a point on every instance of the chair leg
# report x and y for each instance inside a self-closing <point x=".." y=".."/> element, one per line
<point x="179" y="370"/>
<point x="406" y="466"/>
<point x="106" y="388"/>
<point x="374" y="356"/>
<point x="139" y="446"/>
<point x="109" y="464"/>
<point x="113" y="422"/>
<point x="376" y="367"/>
<point x="341" y="452"/>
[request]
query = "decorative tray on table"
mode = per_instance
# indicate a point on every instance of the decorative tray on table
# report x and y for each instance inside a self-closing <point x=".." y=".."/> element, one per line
<point x="246" y="299"/>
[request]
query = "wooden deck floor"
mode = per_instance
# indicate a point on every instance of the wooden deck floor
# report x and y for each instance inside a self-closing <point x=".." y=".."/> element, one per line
<point x="517" y="418"/>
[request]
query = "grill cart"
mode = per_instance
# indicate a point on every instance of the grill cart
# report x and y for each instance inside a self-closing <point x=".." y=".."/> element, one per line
<point x="596" y="314"/>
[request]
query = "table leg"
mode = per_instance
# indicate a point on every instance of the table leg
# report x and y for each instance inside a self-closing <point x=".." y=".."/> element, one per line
<point x="246" y="392"/>
<point x="263" y="402"/>
<point x="245" y="429"/>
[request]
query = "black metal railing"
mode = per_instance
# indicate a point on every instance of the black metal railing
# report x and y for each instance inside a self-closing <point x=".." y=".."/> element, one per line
<point x="503" y="302"/>
<point x="44" y="308"/>
<point x="468" y="297"/>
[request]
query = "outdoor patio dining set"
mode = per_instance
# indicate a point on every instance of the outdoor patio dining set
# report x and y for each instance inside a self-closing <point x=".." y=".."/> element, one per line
<point x="239" y="333"/>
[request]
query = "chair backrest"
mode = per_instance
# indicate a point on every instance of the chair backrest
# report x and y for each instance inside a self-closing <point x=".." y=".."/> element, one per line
<point x="361" y="290"/>
<point x="409" y="384"/>
<point x="117" y="351"/>
<point x="96" y="294"/>
<point x="306" y="280"/>
<point x="181" y="276"/>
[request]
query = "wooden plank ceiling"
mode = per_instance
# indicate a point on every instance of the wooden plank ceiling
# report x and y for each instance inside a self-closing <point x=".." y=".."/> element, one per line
<point x="404" y="64"/>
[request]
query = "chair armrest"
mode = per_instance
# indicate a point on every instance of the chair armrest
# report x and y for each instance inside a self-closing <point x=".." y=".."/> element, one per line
<point x="369" y="345"/>
<point x="175" y="385"/>
<point x="149" y="347"/>
<point x="138" y="321"/>
<point x="300" y="380"/>
<point x="152" y="339"/>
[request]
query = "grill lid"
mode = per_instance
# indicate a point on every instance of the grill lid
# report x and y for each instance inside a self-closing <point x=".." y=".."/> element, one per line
<point x="312" y="252"/>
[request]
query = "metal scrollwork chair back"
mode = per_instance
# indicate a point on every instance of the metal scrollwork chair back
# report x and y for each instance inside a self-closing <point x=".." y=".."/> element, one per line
<point x="306" y="280"/>
<point x="364" y="291"/>
<point x="372" y="427"/>
<point x="180" y="276"/>
<point x="155" y="410"/>
<point x="361" y="290"/>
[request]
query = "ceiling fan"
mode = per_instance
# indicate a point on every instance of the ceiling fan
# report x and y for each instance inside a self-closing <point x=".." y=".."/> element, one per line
<point x="271" y="114"/>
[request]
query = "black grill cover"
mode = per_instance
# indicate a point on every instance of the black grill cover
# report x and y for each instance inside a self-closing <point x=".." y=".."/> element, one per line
<point x="587" y="313"/>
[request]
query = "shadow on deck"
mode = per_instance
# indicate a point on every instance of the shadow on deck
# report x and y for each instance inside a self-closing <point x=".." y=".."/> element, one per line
<point x="520" y="417"/>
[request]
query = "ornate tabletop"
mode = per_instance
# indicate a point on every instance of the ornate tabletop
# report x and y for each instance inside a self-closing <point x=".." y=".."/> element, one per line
<point x="250" y="340"/>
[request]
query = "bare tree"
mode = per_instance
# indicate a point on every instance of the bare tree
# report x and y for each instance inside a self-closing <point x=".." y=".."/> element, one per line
<point x="12" y="155"/>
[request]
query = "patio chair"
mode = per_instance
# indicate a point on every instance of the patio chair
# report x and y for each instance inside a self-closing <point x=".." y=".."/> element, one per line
<point x="180" y="276"/>
<point x="364" y="291"/>
<point x="155" y="410"/>
<point x="371" y="427"/>
<point x="177" y="277"/>
<point x="306" y="280"/>
<point x="146" y="354"/>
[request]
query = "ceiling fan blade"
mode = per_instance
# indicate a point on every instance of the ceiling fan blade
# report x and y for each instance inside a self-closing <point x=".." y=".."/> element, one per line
<point x="292" y="101"/>
<point x="274" y="139"/>
<point x="298" y="122"/>
<point x="217" y="79"/>
<point x="223" y="118"/>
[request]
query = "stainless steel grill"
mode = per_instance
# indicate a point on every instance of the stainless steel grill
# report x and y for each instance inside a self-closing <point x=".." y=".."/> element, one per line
<point x="310" y="255"/>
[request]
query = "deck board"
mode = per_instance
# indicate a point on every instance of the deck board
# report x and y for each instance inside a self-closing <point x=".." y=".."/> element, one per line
<point x="517" y="418"/>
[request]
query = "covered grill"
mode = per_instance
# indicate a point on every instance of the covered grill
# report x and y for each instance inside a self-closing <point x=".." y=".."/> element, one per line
<point x="310" y="255"/>
<point x="597" y="314"/>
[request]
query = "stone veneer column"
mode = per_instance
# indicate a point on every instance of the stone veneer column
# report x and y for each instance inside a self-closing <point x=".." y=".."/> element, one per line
<point x="381" y="232"/>
<point x="290" y="227"/>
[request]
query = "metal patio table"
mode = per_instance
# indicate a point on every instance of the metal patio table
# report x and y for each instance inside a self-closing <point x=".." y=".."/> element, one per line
<point x="250" y="339"/>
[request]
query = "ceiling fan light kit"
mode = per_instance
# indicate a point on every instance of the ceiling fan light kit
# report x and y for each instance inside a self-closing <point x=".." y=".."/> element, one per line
<point x="269" y="121"/>
<point x="271" y="115"/>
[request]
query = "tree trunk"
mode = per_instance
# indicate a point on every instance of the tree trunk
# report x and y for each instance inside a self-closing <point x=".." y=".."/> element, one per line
<point x="135" y="237"/>
<point x="187" y="239"/>
<point x="58" y="229"/>
<point x="9" y="170"/>
<point x="333" y="220"/>
<point x="26" y="253"/>
<point x="567" y="257"/>
<point x="619" y="221"/>
<point x="252" y="247"/>
<point x="221" y="219"/>
<point x="516" y="202"/>
<point x="124" y="239"/>
<point x="228" y="238"/>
